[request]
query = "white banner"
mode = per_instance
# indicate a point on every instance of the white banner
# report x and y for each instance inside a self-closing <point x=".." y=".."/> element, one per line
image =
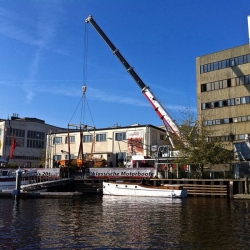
<point x="55" y="172"/>
<point x="122" y="172"/>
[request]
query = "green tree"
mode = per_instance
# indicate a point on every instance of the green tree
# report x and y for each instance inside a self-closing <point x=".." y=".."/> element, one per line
<point x="42" y="158"/>
<point x="200" y="146"/>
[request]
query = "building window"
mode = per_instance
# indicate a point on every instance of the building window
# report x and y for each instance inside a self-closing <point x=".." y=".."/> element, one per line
<point x="71" y="139"/>
<point x="241" y="137"/>
<point x="246" y="80"/>
<point x="57" y="140"/>
<point x="203" y="87"/>
<point x="220" y="104"/>
<point x="216" y="65"/>
<point x="162" y="137"/>
<point x="209" y="123"/>
<point x="57" y="157"/>
<point x="201" y="69"/>
<point x="87" y="138"/>
<point x="224" y="103"/>
<point x="209" y="88"/>
<point x="216" y="85"/>
<point x="232" y="62"/>
<point x="243" y="100"/>
<point x="66" y="157"/>
<point x="101" y="137"/>
<point x="244" y="118"/>
<point x="223" y="64"/>
<point x="120" y="136"/>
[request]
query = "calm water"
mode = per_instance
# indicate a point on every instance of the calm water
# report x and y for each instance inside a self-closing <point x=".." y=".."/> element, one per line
<point x="103" y="222"/>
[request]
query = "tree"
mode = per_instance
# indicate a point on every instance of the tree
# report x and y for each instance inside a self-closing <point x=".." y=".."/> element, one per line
<point x="42" y="158"/>
<point x="200" y="146"/>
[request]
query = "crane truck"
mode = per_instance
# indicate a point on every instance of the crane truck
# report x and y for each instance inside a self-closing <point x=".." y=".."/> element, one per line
<point x="169" y="124"/>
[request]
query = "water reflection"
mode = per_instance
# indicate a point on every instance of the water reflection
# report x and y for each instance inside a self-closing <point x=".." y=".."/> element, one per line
<point x="110" y="222"/>
<point x="140" y="200"/>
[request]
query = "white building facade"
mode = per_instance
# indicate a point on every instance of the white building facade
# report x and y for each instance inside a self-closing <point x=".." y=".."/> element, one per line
<point x="111" y="144"/>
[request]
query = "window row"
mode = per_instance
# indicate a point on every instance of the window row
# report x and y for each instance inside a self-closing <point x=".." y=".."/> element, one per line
<point x="35" y="143"/>
<point x="231" y="137"/>
<point x="225" y="103"/>
<point x="35" y="135"/>
<point x="226" y="83"/>
<point x="15" y="132"/>
<point x="231" y="62"/>
<point x="27" y="158"/>
<point x="227" y="120"/>
<point x="86" y="138"/>
<point x="19" y="141"/>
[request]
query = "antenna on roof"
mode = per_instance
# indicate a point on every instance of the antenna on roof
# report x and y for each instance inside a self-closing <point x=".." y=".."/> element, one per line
<point x="248" y="19"/>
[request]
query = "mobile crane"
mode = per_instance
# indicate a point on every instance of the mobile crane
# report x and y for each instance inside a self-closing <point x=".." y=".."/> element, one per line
<point x="168" y="122"/>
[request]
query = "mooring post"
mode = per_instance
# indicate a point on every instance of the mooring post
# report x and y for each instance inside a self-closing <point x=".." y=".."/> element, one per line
<point x="246" y="185"/>
<point x="231" y="189"/>
<point x="19" y="173"/>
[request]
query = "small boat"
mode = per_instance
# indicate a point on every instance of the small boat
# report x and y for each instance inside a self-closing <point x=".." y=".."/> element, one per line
<point x="8" y="176"/>
<point x="121" y="188"/>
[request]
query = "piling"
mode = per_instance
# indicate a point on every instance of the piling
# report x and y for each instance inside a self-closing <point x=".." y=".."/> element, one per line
<point x="19" y="173"/>
<point x="246" y="185"/>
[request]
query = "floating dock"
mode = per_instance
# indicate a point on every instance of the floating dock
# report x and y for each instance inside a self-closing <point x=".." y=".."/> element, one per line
<point x="50" y="195"/>
<point x="242" y="196"/>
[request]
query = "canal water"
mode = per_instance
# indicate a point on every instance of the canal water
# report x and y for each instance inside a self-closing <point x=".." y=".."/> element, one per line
<point x="106" y="222"/>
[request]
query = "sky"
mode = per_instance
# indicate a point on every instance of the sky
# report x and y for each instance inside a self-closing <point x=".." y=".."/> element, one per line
<point x="48" y="52"/>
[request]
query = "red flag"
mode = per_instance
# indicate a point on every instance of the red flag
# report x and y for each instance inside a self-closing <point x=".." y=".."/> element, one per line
<point x="13" y="146"/>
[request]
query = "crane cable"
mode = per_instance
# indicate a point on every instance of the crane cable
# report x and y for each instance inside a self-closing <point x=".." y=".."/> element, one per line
<point x="85" y="70"/>
<point x="83" y="100"/>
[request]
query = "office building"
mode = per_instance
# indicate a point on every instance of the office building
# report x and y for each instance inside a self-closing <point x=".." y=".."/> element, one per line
<point x="23" y="141"/>
<point x="223" y="97"/>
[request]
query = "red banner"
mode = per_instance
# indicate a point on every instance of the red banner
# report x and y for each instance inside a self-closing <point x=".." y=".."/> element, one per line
<point x="13" y="146"/>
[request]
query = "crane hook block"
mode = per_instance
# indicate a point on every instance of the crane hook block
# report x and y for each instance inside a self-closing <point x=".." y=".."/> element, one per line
<point x="84" y="88"/>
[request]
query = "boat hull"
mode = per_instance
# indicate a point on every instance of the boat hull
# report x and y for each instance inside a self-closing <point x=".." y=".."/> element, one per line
<point x="133" y="189"/>
<point x="11" y="181"/>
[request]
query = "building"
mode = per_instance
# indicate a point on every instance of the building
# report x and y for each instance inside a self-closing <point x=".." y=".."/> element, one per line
<point x="23" y="140"/>
<point x="111" y="144"/>
<point x="223" y="97"/>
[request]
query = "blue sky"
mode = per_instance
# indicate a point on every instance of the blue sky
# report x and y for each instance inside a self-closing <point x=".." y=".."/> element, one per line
<point x="48" y="52"/>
